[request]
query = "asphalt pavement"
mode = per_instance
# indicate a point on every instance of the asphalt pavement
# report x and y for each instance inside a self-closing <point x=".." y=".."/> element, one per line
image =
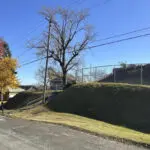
<point x="18" y="134"/>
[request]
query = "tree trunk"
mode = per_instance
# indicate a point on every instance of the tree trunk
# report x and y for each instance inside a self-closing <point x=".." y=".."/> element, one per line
<point x="64" y="79"/>
<point x="2" y="101"/>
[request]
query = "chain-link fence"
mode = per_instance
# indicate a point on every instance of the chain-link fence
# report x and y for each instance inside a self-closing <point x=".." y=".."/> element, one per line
<point x="125" y="73"/>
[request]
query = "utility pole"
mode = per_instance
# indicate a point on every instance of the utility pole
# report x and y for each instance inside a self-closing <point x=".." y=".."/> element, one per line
<point x="47" y="57"/>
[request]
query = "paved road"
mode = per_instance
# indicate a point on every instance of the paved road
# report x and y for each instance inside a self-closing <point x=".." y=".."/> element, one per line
<point x="18" y="134"/>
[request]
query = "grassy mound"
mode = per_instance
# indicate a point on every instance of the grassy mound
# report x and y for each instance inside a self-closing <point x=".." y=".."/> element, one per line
<point x="121" y="104"/>
<point x="23" y="99"/>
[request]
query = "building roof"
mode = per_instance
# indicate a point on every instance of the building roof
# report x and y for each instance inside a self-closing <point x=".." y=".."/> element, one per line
<point x="28" y="87"/>
<point x="16" y="90"/>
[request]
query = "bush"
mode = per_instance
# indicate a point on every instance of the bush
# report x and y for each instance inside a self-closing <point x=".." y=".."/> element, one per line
<point x="120" y="104"/>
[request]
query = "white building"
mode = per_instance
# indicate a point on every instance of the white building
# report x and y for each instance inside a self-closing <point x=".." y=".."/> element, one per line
<point x="13" y="92"/>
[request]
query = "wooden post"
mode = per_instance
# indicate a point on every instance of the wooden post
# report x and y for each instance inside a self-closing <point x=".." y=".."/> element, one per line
<point x="47" y="57"/>
<point x="114" y="74"/>
<point x="95" y="73"/>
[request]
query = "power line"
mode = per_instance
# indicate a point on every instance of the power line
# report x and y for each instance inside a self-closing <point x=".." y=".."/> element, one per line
<point x="123" y="34"/>
<point x="117" y="41"/>
<point x="75" y="2"/>
<point x="95" y="46"/>
<point x="41" y="23"/>
<point x="100" y="4"/>
<point x="34" y="29"/>
<point x="33" y="61"/>
<point x="111" y="37"/>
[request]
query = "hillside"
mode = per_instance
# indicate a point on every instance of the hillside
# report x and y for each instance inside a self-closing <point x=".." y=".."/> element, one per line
<point x="131" y="75"/>
<point x="120" y="104"/>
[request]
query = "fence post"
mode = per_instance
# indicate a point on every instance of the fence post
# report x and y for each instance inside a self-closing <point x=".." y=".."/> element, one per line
<point x="90" y="73"/>
<point x="76" y="75"/>
<point x="141" y="75"/>
<point x="114" y="74"/>
<point x="95" y="73"/>
<point x="82" y="74"/>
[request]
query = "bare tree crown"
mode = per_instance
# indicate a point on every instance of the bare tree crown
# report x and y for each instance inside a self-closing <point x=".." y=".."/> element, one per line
<point x="69" y="36"/>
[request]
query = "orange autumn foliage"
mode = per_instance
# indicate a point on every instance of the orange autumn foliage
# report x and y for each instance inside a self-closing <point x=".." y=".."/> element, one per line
<point x="8" y="78"/>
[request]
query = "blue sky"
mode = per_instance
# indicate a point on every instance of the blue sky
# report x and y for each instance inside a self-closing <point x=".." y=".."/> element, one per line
<point x="20" y="22"/>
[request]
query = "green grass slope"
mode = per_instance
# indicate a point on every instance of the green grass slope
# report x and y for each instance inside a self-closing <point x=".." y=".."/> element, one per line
<point x="121" y="104"/>
<point x="41" y="113"/>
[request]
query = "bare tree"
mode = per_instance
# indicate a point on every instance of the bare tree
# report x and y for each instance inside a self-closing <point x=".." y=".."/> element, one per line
<point x="51" y="74"/>
<point x="70" y="35"/>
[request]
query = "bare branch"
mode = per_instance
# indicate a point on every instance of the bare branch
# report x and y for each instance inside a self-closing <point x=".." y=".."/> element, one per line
<point x="70" y="35"/>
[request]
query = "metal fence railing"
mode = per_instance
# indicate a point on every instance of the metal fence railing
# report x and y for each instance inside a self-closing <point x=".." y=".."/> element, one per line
<point x="125" y="73"/>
